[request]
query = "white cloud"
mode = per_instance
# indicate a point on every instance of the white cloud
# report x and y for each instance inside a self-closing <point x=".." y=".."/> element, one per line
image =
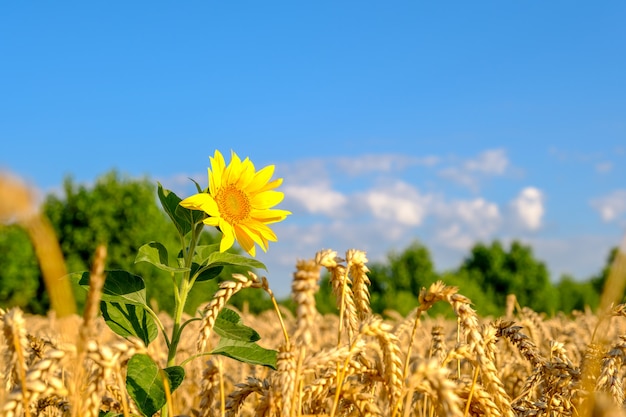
<point x="460" y="176"/>
<point x="477" y="213"/>
<point x="316" y="198"/>
<point x="461" y="223"/>
<point x="382" y="163"/>
<point x="604" y="167"/>
<point x="493" y="162"/>
<point x="528" y="207"/>
<point x="400" y="203"/>
<point x="454" y="237"/>
<point x="610" y="206"/>
<point x="304" y="171"/>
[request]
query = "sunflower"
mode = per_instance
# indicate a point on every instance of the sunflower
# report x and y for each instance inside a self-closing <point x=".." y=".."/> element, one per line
<point x="239" y="202"/>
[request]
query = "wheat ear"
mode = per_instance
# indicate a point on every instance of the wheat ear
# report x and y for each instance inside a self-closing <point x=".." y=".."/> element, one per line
<point x="17" y="343"/>
<point x="341" y="285"/>
<point x="430" y="378"/>
<point x="303" y="289"/>
<point x="356" y="262"/>
<point x="391" y="357"/>
<point x="226" y="290"/>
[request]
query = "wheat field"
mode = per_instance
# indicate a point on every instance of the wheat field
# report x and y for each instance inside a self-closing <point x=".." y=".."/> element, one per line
<point x="352" y="364"/>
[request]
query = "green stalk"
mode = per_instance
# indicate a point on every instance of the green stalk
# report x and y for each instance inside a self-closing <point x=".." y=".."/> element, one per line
<point x="183" y="292"/>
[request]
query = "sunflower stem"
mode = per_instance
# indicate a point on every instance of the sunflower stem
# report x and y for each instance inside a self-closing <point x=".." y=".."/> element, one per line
<point x="180" y="297"/>
<point x="182" y="293"/>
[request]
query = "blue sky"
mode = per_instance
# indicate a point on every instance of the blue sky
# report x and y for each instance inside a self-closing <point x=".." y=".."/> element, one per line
<point x="447" y="122"/>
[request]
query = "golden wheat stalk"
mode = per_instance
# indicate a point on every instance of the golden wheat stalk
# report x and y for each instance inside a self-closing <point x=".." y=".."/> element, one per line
<point x="18" y="204"/>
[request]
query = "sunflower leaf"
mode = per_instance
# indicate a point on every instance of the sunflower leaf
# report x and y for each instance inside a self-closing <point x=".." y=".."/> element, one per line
<point x="191" y="217"/>
<point x="226" y="258"/>
<point x="129" y="320"/>
<point x="247" y="352"/>
<point x="169" y="201"/>
<point x="203" y="252"/>
<point x="144" y="383"/>
<point x="205" y="273"/>
<point x="156" y="254"/>
<point x="229" y="325"/>
<point x="200" y="190"/>
<point x="120" y="286"/>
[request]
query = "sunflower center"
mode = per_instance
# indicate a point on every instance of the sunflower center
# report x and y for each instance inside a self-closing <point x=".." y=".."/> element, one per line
<point x="233" y="204"/>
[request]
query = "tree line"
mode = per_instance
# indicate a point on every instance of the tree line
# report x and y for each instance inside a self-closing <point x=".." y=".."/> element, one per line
<point x="487" y="275"/>
<point x="123" y="214"/>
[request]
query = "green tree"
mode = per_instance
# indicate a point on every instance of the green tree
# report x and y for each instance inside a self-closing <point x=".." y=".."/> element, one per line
<point x="21" y="284"/>
<point x="599" y="280"/>
<point x="575" y="295"/>
<point x="514" y="272"/>
<point x="117" y="211"/>
<point x="483" y="300"/>
<point x="325" y="300"/>
<point x="396" y="284"/>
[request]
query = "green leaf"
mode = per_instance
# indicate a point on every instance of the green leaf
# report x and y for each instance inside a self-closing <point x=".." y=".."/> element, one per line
<point x="156" y="254"/>
<point x="229" y="325"/>
<point x="246" y="352"/>
<point x="144" y="383"/>
<point x="129" y="320"/>
<point x="210" y="255"/>
<point x="202" y="252"/>
<point x="205" y="274"/>
<point x="119" y="286"/>
<point x="175" y="375"/>
<point x="200" y="190"/>
<point x="226" y="258"/>
<point x="170" y="202"/>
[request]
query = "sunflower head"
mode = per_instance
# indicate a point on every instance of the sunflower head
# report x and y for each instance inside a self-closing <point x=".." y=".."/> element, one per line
<point x="239" y="202"/>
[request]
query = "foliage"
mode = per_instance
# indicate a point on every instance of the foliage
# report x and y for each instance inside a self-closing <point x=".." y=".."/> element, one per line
<point x="397" y="284"/>
<point x="483" y="299"/>
<point x="487" y="276"/>
<point x="574" y="295"/>
<point x="118" y="212"/>
<point x="599" y="280"/>
<point x="21" y="284"/>
<point x="514" y="272"/>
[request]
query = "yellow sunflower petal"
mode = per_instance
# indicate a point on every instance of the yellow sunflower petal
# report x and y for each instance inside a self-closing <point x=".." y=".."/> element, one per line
<point x="269" y="216"/>
<point x="246" y="176"/>
<point x="261" y="179"/>
<point x="262" y="230"/>
<point x="245" y="240"/>
<point x="267" y="199"/>
<point x="271" y="185"/>
<point x="218" y="165"/>
<point x="212" y="221"/>
<point x="254" y="235"/>
<point x="233" y="170"/>
<point x="228" y="236"/>
<point x="201" y="201"/>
